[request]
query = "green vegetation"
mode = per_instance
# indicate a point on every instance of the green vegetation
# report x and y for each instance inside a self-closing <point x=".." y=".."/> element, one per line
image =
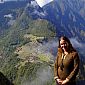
<point x="42" y="28"/>
<point x="26" y="72"/>
<point x="44" y="57"/>
<point x="19" y="60"/>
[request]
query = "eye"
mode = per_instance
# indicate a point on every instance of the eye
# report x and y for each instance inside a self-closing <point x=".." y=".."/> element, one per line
<point x="62" y="43"/>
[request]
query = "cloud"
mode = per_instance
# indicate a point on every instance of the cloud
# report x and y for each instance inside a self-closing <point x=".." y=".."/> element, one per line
<point x="8" y="16"/>
<point x="43" y="75"/>
<point x="75" y="42"/>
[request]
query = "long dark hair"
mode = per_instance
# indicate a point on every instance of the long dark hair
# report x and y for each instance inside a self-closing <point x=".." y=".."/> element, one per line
<point x="69" y="43"/>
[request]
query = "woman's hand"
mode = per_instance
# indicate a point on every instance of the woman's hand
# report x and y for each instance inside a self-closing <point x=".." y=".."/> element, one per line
<point x="59" y="81"/>
<point x="65" y="81"/>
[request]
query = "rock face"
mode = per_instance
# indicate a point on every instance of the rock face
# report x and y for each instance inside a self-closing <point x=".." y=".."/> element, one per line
<point x="68" y="19"/>
<point x="4" y="80"/>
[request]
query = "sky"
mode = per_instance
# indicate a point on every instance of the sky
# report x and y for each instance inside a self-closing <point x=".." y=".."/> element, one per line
<point x="41" y="3"/>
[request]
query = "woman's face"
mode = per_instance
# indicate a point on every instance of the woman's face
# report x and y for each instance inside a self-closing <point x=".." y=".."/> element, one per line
<point x="63" y="44"/>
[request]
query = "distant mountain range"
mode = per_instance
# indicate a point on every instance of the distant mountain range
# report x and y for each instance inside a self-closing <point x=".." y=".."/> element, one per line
<point x="9" y="12"/>
<point x="68" y="16"/>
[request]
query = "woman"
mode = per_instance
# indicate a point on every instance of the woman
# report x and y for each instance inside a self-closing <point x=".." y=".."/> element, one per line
<point x="66" y="65"/>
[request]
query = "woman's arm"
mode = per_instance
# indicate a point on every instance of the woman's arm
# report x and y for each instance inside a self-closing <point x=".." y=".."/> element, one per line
<point x="59" y="81"/>
<point x="76" y="67"/>
<point x="56" y="68"/>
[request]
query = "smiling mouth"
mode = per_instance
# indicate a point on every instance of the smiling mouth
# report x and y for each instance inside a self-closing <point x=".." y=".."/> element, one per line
<point x="64" y="47"/>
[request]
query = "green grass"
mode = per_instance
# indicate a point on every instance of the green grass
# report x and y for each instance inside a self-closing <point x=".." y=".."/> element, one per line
<point x="43" y="57"/>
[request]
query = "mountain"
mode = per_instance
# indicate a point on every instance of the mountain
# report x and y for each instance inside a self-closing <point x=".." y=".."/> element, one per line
<point x="9" y="12"/>
<point x="24" y="53"/>
<point x="68" y="16"/>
